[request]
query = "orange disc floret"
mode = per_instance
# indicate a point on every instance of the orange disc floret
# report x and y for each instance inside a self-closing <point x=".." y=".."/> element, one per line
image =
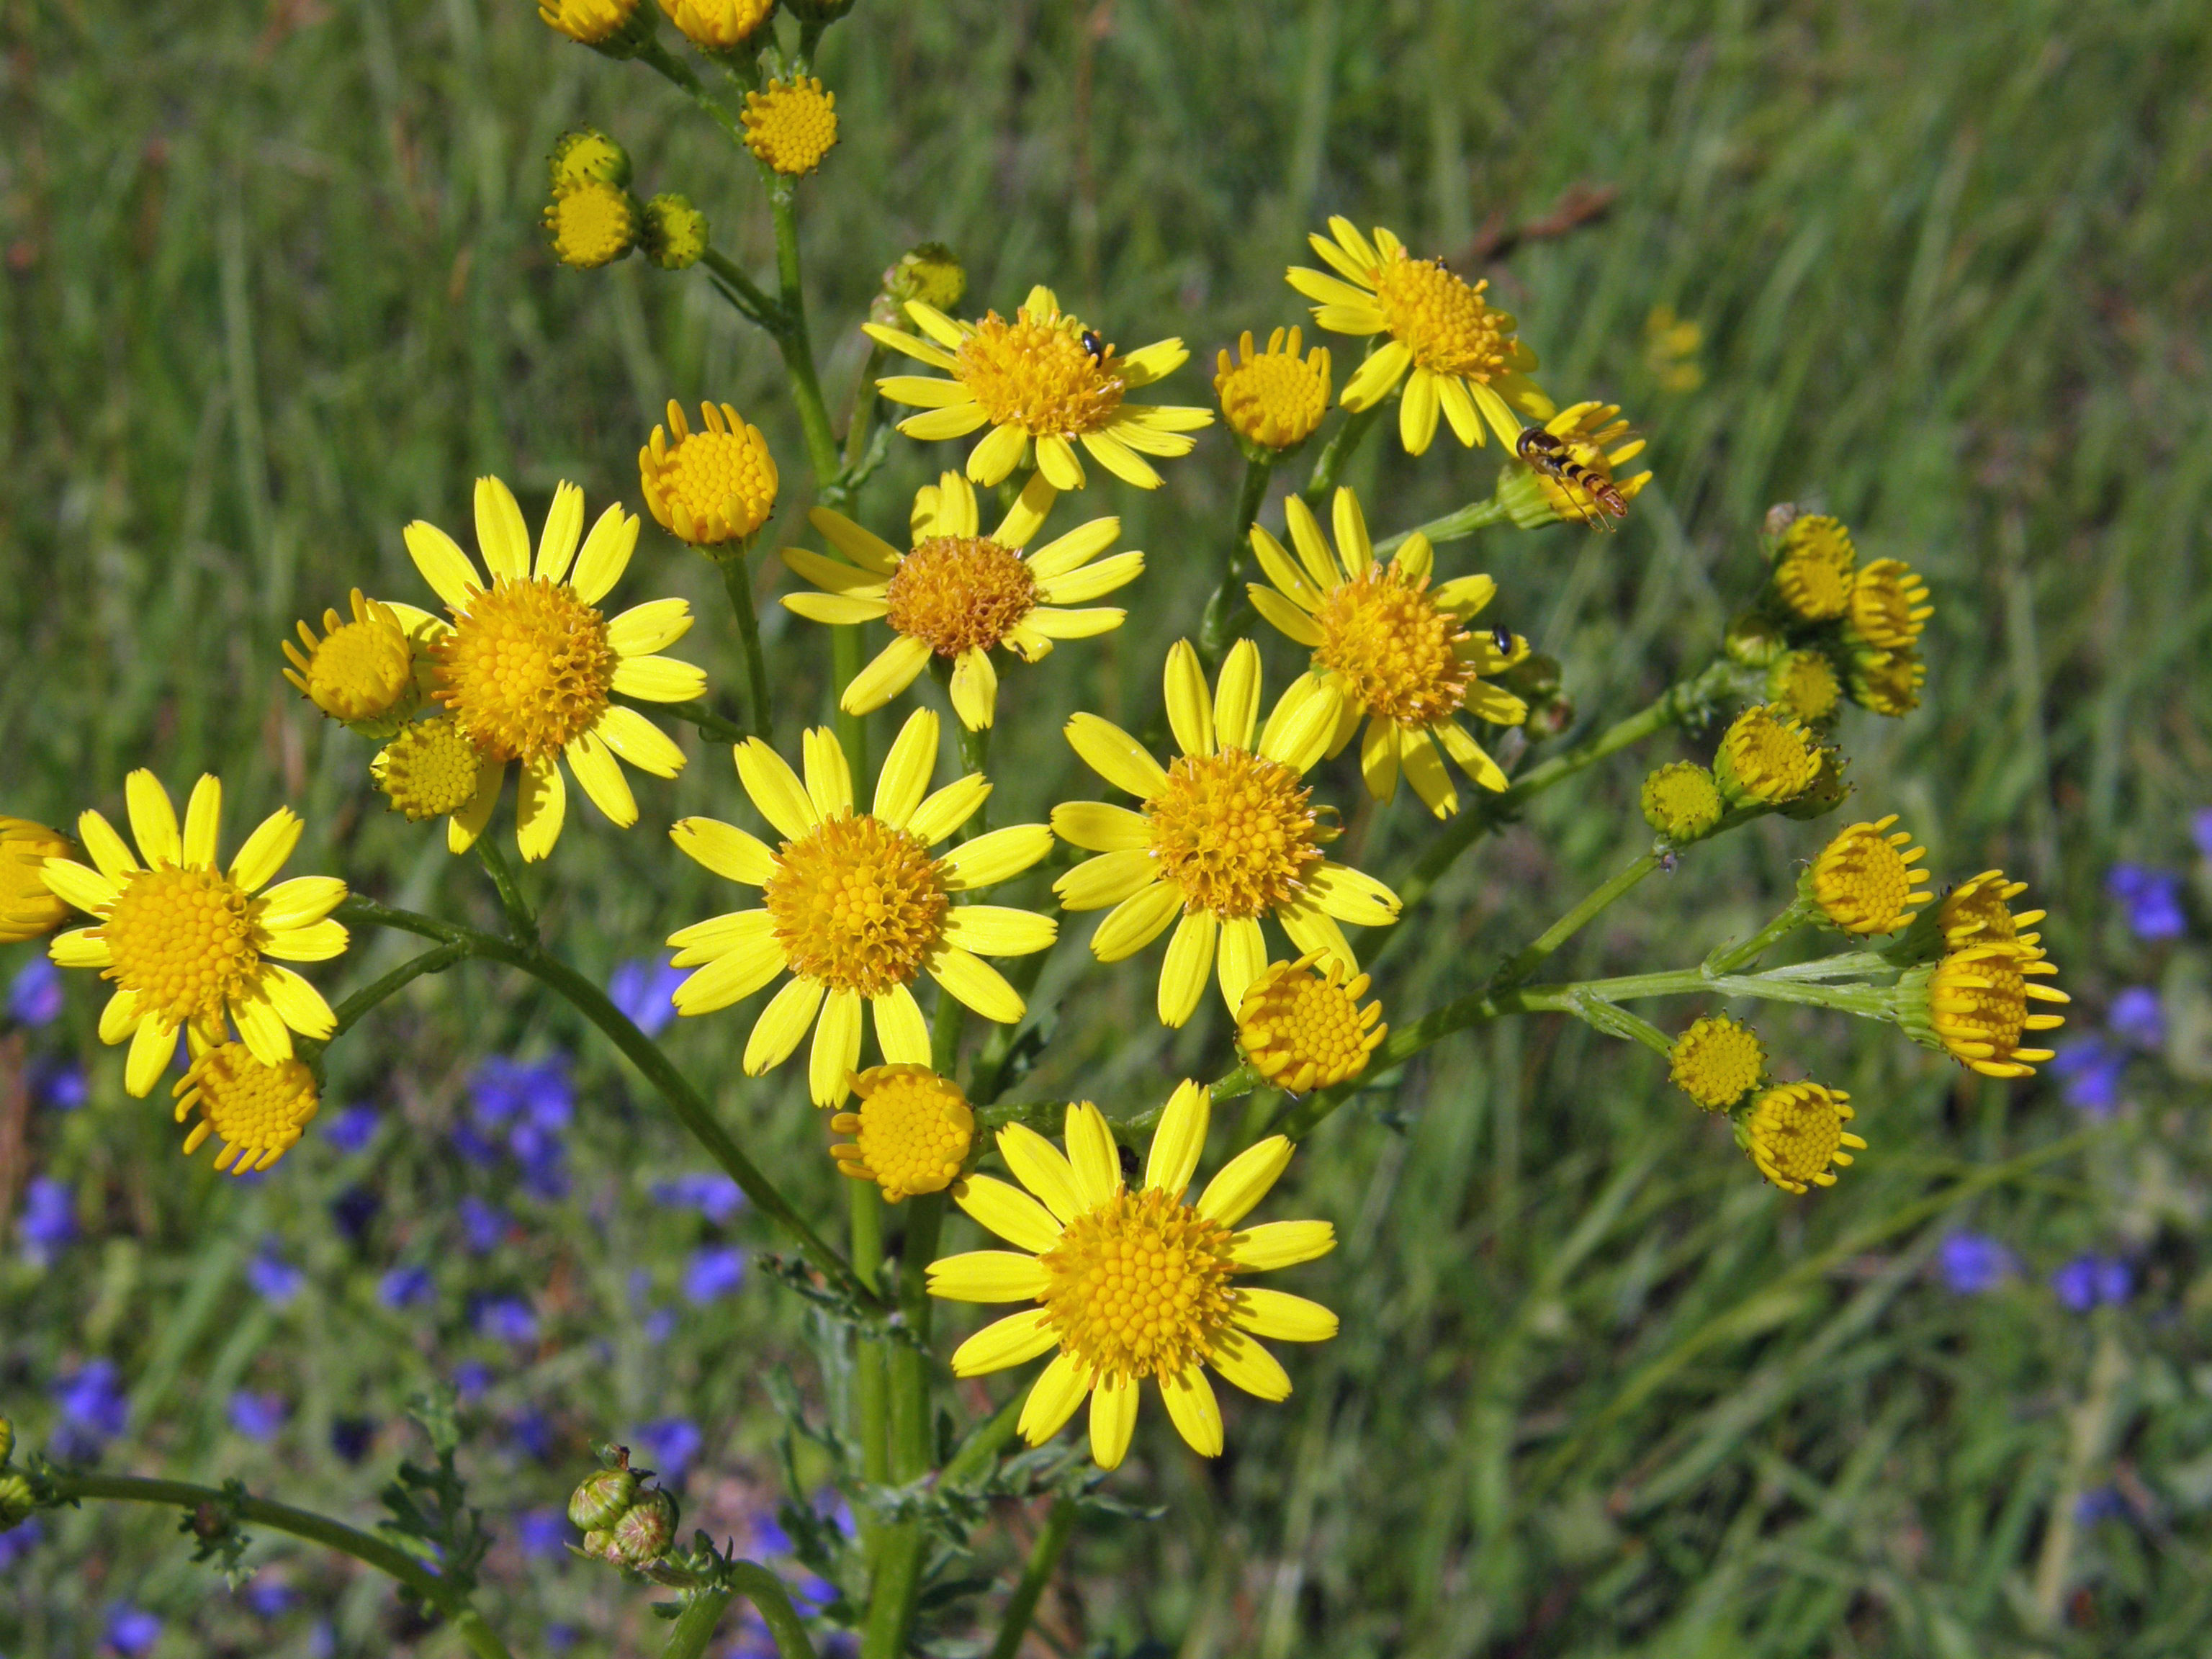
<point x="1302" y="1028"/>
<point x="709" y="486"/>
<point x="911" y="1133"/>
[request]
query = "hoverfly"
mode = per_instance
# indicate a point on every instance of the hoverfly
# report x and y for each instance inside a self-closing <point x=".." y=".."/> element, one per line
<point x="1588" y="491"/>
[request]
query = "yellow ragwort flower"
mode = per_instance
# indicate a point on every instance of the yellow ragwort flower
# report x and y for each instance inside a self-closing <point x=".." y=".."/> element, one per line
<point x="1976" y="912"/>
<point x="911" y="1133"/>
<point x="366" y="672"/>
<point x="430" y="769"/>
<point x="1681" y="802"/>
<point x="1272" y="398"/>
<point x="1765" y="758"/>
<point x="1226" y="834"/>
<point x="790" y="126"/>
<point x="1813" y="569"/>
<point x="959" y="594"/>
<point x="712" y="486"/>
<point x="1889" y="605"/>
<point x="1977" y="1006"/>
<point x="1133" y="1284"/>
<point x="1454" y="352"/>
<point x="28" y="909"/>
<point x="1396" y="651"/>
<point x="527" y="663"/>
<point x="1302" y="1028"/>
<point x="1795" y="1132"/>
<point x="1598" y="441"/>
<point x="718" y="24"/>
<point x="1805" y="684"/>
<point x="1717" y="1063"/>
<point x="592" y="224"/>
<point x="1887" y="682"/>
<point x="594" y="23"/>
<point x="257" y="1110"/>
<point x="585" y="155"/>
<point x="1864" y="880"/>
<point x="1044" y="378"/>
<point x="187" y="942"/>
<point x="856" y="907"/>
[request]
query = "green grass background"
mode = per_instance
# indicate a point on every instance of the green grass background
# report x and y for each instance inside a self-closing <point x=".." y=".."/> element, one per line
<point x="273" y="288"/>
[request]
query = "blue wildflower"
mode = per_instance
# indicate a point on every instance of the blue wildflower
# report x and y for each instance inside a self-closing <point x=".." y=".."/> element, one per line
<point x="257" y="1416"/>
<point x="49" y="1219"/>
<point x="2099" y="1504"/>
<point x="407" y="1287"/>
<point x="274" y="1279"/>
<point x="2137" y="1016"/>
<point x="482" y="1226"/>
<point x="351" y="1436"/>
<point x="559" y="1638"/>
<point x="2089" y="1070"/>
<point x="643" y="991"/>
<point x="1973" y="1262"/>
<point x="540" y="1092"/>
<point x="667" y="1446"/>
<point x="659" y="1326"/>
<point x="473" y="1147"/>
<point x="543" y="1532"/>
<point x="131" y="1631"/>
<point x="17" y="1543"/>
<point x="352" y="1130"/>
<point x="471" y="1378"/>
<point x="532" y="1430"/>
<point x="2200" y="831"/>
<point x="2152" y="899"/>
<point x="355" y="1211"/>
<point x="94" y="1411"/>
<point x="270" y="1597"/>
<point x="59" y="1084"/>
<point x="714" y="1272"/>
<point x="2088" y="1281"/>
<point x="34" y="996"/>
<point x="714" y="1196"/>
<point x="504" y="1319"/>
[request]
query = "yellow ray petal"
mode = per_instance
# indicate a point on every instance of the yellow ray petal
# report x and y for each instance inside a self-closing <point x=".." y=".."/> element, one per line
<point x="563" y="529"/>
<point x="658" y="679"/>
<point x="541" y="806"/>
<point x="1027" y="515"/>
<point x="1043" y="1168"/>
<point x="1059" y="1389"/>
<point x="726" y="850"/>
<point x="465" y="825"/>
<point x="974" y="689"/>
<point x="1057" y="460"/>
<point x="987" y="1276"/>
<point x="1137" y="920"/>
<point x="1276" y="563"/>
<point x="717" y="936"/>
<point x="315" y="941"/>
<point x="1113" y="1420"/>
<point x="1281" y="1316"/>
<point x="607" y="555"/>
<point x="1180" y="1139"/>
<point x="1243" y="1363"/>
<point x="998" y="930"/>
<point x="266" y="849"/>
<point x="978" y="985"/>
<point x="1115" y="755"/>
<point x="1187" y="966"/>
<point x="775" y="789"/>
<point x="1244" y="1181"/>
<point x="991" y="859"/>
<point x="1098" y="827"/>
<point x="204" y="822"/>
<point x="901" y="1031"/>
<point x="1092" y="581"/>
<point x="731" y="978"/>
<point x="1351" y="895"/>
<point x="78" y="949"/>
<point x="648" y="627"/>
<point x="1243" y="959"/>
<point x="1274" y="1244"/>
<point x="1091" y="1153"/>
<point x="153" y="1045"/>
<point x="74" y="884"/>
<point x="863" y="547"/>
<point x="597" y="770"/>
<point x="1010" y="1212"/>
<point x="893" y="669"/>
<point x="638" y="741"/>
<point x="443" y="565"/>
<point x="829" y="778"/>
<point x="1111" y="879"/>
<point x="946" y="809"/>
<point x="109" y="854"/>
<point x="1304" y="719"/>
<point x="153" y="819"/>
<point x="1284" y="616"/>
<point x="1190" y="705"/>
<point x="836" y="1051"/>
<point x="502" y="536"/>
<point x="1193" y="1410"/>
<point x="1005" y="1342"/>
<point x="782" y="1025"/>
<point x="1075" y="549"/>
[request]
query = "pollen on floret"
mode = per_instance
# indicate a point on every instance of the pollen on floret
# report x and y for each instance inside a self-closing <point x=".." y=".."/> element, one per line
<point x="592" y="224"/>
<point x="1445" y="321"/>
<point x="1139" y="1286"/>
<point x="1795" y="1132"/>
<point x="362" y="671"/>
<point x="1814" y="566"/>
<point x="1863" y="879"/>
<point x="185" y="940"/>
<point x="1765" y="756"/>
<point x="1805" y="684"/>
<point x="1977" y="1007"/>
<point x="525" y="668"/>
<point x="1384" y="635"/>
<point x="791" y="125"/>
<point x="857" y="904"/>
<point x="1035" y="373"/>
<point x="714" y="486"/>
<point x="1680" y="801"/>
<point x="1887" y="682"/>
<point x="1717" y="1063"/>
<point x="1889" y="605"/>
<point x="430" y="770"/>
<point x="960" y="593"/>
<point x="1302" y="1028"/>
<point x="1273" y="398"/>
<point x="911" y="1133"/>
<point x="1235" y="831"/>
<point x="259" y="1111"/>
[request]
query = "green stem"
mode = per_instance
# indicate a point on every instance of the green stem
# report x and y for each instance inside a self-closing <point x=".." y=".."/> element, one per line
<point x="981" y="1450"/>
<point x="521" y="921"/>
<point x="347" y="1013"/>
<point x="1225" y="610"/>
<point x="1723" y="961"/>
<point x="848" y="652"/>
<point x="689" y="1106"/>
<point x="658" y="55"/>
<point x="711" y="725"/>
<point x="1341" y="446"/>
<point x="897" y="1584"/>
<point x="766" y="1592"/>
<point x="797" y="353"/>
<point x="695" y="1627"/>
<point x="1044" y="1561"/>
<point x="1523" y="962"/>
<point x="742" y="292"/>
<point x="371" y="1551"/>
<point x="861" y="426"/>
<point x="738" y="583"/>
<point x="1456" y="525"/>
<point x="871" y="1398"/>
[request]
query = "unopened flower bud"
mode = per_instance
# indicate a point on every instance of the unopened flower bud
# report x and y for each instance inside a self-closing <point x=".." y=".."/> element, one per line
<point x="1755" y="640"/>
<point x="674" y="233"/>
<point x="600" y="1500"/>
<point x="587" y="156"/>
<point x="17" y="1502"/>
<point x="931" y="273"/>
<point x="599" y="1546"/>
<point x="645" y="1529"/>
<point x="619" y="29"/>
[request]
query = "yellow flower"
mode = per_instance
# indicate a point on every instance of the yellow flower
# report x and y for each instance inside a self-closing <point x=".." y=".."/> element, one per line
<point x="1812" y="569"/>
<point x="1863" y="879"/>
<point x="1133" y="1284"/>
<point x="1595" y="439"/>
<point x="856" y="907"/>
<point x="1794" y="1133"/>
<point x="675" y="235"/>
<point x="717" y="25"/>
<point x="1272" y="399"/>
<point x="1975" y="913"/>
<point x="605" y="23"/>
<point x="527" y="663"/>
<point x="1303" y="1029"/>
<point x="1765" y="758"/>
<point x="429" y="770"/>
<point x="1681" y="802"/>
<point x="959" y="594"/>
<point x="708" y="486"/>
<point x="1977" y="1006"/>
<point x="258" y="1110"/>
<point x="1227" y="834"/>
<point x="585" y="156"/>
<point x="28" y="910"/>
<point x="1887" y="682"/>
<point x="791" y="125"/>
<point x="1396" y="651"/>
<point x="187" y="942"/>
<point x="1670" y="349"/>
<point x="1454" y="352"/>
<point x="1717" y="1061"/>
<point x="592" y="224"/>
<point x="1888" y="605"/>
<point x="1043" y="377"/>
<point x="1805" y="684"/>
<point x="911" y="1134"/>
<point x="364" y="672"/>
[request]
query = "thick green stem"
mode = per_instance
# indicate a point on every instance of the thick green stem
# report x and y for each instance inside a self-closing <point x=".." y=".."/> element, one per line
<point x="738" y="583"/>
<point x="798" y="351"/>
<point x="1727" y="961"/>
<point x="1456" y="525"/>
<point x="1225" y="610"/>
<point x="848" y="652"/>
<point x="1044" y="1561"/>
<point x="364" y="1547"/>
<point x="1342" y="447"/>
<point x="870" y="1400"/>
<point x="766" y="1592"/>
<point x="981" y="1450"/>
<point x="897" y="1584"/>
<point x="742" y="291"/>
<point x="695" y="1627"/>
<point x="861" y="426"/>
<point x="347" y="1013"/>
<point x="1523" y="962"/>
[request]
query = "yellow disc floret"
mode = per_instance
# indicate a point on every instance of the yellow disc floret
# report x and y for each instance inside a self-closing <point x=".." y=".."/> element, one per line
<point x="1812" y="569"/>
<point x="1681" y="802"/>
<point x="1794" y="1133"/>
<point x="525" y="668"/>
<point x="717" y="25"/>
<point x="911" y="1133"/>
<point x="1805" y="684"/>
<point x="711" y="486"/>
<point x="1392" y="647"/>
<point x="429" y="770"/>
<point x="1274" y="398"/>
<point x="28" y="909"/>
<point x="1887" y="682"/>
<point x="1864" y="880"/>
<point x="1444" y="321"/>
<point x="1765" y="756"/>
<point x="1235" y="830"/>
<point x="258" y="1111"/>
<point x="1036" y="373"/>
<point x="360" y="671"/>
<point x="1976" y="912"/>
<point x="857" y="904"/>
<point x="592" y="224"/>
<point x="1717" y="1061"/>
<point x="183" y="940"/>
<point x="1303" y="1029"/>
<point x="1977" y="1002"/>
<point x="960" y="593"/>
<point x="791" y="125"/>
<point x="1139" y="1286"/>
<point x="1889" y="605"/>
<point x="594" y="23"/>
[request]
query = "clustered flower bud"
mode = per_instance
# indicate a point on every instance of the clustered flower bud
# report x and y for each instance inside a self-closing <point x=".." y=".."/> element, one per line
<point x="674" y="235"/>
<point x="28" y="910"/>
<point x="623" y="1523"/>
<point x="1828" y="627"/>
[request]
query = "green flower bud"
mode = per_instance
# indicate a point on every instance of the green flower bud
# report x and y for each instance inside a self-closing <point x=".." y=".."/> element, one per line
<point x="931" y="273"/>
<point x="600" y="1500"/>
<point x="599" y="1546"/>
<point x="1755" y="640"/>
<point x="588" y="156"/>
<point x="1805" y="684"/>
<point x="1829" y="789"/>
<point x="647" y="1528"/>
<point x="17" y="1502"/>
<point x="674" y="234"/>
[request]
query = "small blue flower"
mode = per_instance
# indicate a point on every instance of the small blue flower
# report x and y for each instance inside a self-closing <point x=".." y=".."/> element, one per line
<point x="1972" y="1263"/>
<point x="59" y="1084"/>
<point x="2087" y="1281"/>
<point x="355" y="1211"/>
<point x="659" y="1326"/>
<point x="49" y="1219"/>
<point x="543" y="1532"/>
<point x="2137" y="1016"/>
<point x="323" y="1640"/>
<point x="352" y="1130"/>
<point x="769" y="1536"/>
<point x="504" y="1319"/>
<point x="407" y="1287"/>
<point x="2089" y="1071"/>
<point x="714" y="1272"/>
<point x="503" y="1090"/>
<point x="2152" y="899"/>
<point x="2099" y="1504"/>
<point x="667" y="1446"/>
<point x="257" y="1416"/>
<point x="473" y="1147"/>
<point x="270" y="1597"/>
<point x="17" y="1543"/>
<point x="482" y="1226"/>
<point x="34" y="996"/>
<point x="559" y="1638"/>
<point x="2200" y="831"/>
<point x="714" y="1196"/>
<point x="93" y="1404"/>
<point x="643" y="990"/>
<point x="471" y="1378"/>
<point x="274" y="1279"/>
<point x="131" y="1631"/>
<point x="533" y="1432"/>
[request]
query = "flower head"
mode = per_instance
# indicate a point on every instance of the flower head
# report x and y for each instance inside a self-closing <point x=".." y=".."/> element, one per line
<point x="790" y="126"/>
<point x="1274" y="400"/>
<point x="1887" y="682"/>
<point x="1976" y="912"/>
<point x="1717" y="1063"/>
<point x="2091" y="1073"/>
<point x="1889" y="605"/>
<point x="717" y="25"/>
<point x="1301" y="1026"/>
<point x="1044" y="379"/>
<point x="526" y="665"/>
<point x="1804" y="683"/>
<point x="1765" y="758"/>
<point x="1596" y="439"/>
<point x="674" y="234"/>
<point x="29" y="908"/>
<point x="959" y="594"/>
<point x="709" y="486"/>
<point x="855" y="907"/>
<point x="1863" y="879"/>
<point x="257" y="1110"/>
<point x="187" y="942"/>
<point x="2089" y="1280"/>
<point x="2151" y="899"/>
<point x="1133" y="1282"/>
<point x="431" y="770"/>
<point x="1455" y="352"/>
<point x="1681" y="802"/>
<point x="1396" y="651"/>
<point x="1973" y="1263"/>
<point x="1795" y="1131"/>
<point x="1975" y="1003"/>
<point x="1812" y="567"/>
<point x="911" y="1133"/>
<point x="364" y="672"/>
<point x="1227" y="834"/>
<point x="618" y="28"/>
<point x="592" y="224"/>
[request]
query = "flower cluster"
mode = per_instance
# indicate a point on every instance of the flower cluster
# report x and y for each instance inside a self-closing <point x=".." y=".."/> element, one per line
<point x="1828" y="627"/>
